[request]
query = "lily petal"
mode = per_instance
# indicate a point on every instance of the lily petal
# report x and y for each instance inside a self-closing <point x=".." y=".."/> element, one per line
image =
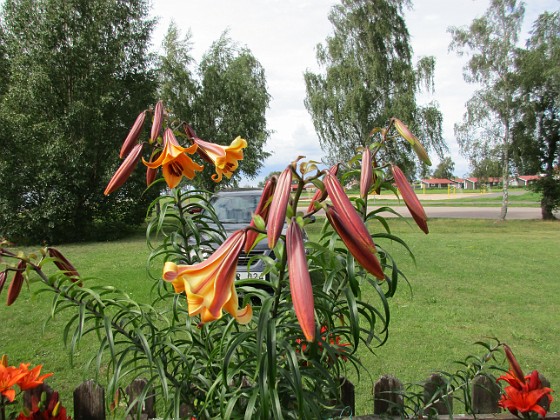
<point x="300" y="281"/>
<point x="124" y="171"/>
<point x="410" y="199"/>
<point x="209" y="285"/>
<point x="278" y="206"/>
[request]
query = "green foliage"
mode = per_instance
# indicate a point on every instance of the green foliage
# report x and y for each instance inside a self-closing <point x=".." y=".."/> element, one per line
<point x="490" y="41"/>
<point x="369" y="78"/>
<point x="77" y="70"/>
<point x="445" y="168"/>
<point x="536" y="146"/>
<point x="224" y="94"/>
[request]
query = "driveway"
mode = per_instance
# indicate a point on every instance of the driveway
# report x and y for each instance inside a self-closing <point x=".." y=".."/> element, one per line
<point x="513" y="213"/>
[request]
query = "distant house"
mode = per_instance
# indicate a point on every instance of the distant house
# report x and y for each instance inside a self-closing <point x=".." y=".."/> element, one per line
<point x="437" y="183"/>
<point x="476" y="183"/>
<point x="526" y="180"/>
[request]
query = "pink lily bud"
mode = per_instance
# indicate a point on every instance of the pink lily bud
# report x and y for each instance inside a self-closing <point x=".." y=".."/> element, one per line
<point x="513" y="364"/>
<point x="262" y="210"/>
<point x="17" y="282"/>
<point x="410" y="199"/>
<point x="278" y="206"/>
<point x="158" y="118"/>
<point x="3" y="276"/>
<point x="63" y="263"/>
<point x="150" y="175"/>
<point x="133" y="135"/>
<point x="366" y="177"/>
<point x="300" y="281"/>
<point x="321" y="195"/>
<point x="124" y="171"/>
<point x="351" y="228"/>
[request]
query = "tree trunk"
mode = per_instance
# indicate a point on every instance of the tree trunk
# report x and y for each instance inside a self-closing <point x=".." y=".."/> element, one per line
<point x="505" y="174"/>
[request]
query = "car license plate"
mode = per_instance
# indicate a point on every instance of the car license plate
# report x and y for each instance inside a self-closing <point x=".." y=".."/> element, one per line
<point x="247" y="275"/>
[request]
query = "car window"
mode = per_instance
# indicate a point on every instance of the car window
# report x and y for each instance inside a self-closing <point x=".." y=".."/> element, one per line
<point x="235" y="208"/>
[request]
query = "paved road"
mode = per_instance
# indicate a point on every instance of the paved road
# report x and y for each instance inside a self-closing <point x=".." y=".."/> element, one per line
<point x="475" y="212"/>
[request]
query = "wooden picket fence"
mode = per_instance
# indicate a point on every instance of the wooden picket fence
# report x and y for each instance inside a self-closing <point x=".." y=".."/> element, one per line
<point x="89" y="400"/>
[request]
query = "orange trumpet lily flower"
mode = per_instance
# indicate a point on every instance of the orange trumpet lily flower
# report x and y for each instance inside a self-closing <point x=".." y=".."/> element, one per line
<point x="209" y="285"/>
<point x="300" y="281"/>
<point x="174" y="161"/>
<point x="351" y="228"/>
<point x="224" y="158"/>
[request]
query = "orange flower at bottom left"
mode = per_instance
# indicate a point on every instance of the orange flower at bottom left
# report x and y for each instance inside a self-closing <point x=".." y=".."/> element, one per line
<point x="209" y="285"/>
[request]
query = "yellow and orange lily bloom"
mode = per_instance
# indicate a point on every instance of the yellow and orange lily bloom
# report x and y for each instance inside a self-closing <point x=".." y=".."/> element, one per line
<point x="209" y="285"/>
<point x="224" y="158"/>
<point x="300" y="281"/>
<point x="174" y="160"/>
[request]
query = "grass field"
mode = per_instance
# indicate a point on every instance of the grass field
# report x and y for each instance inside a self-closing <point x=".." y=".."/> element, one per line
<point x="473" y="280"/>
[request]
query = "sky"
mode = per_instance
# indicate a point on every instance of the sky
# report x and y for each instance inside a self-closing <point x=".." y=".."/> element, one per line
<point x="283" y="35"/>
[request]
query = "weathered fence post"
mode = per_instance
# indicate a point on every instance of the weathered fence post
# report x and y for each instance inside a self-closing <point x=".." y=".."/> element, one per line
<point x="485" y="395"/>
<point x="89" y="402"/>
<point x="436" y="397"/>
<point x="139" y="389"/>
<point x="387" y="395"/>
<point x="347" y="396"/>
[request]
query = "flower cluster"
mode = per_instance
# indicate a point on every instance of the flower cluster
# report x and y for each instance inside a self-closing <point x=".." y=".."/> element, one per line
<point x="170" y="156"/>
<point x="525" y="394"/>
<point x="25" y="379"/>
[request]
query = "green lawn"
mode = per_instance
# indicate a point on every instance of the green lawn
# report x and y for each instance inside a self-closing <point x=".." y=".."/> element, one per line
<point x="473" y="279"/>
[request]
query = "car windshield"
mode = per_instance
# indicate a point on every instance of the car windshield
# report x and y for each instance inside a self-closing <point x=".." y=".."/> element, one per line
<point x="235" y="208"/>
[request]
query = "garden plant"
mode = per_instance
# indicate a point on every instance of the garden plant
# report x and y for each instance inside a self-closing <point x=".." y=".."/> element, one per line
<point x="211" y="346"/>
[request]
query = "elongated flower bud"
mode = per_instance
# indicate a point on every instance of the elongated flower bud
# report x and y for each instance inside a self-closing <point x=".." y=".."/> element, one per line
<point x="63" y="263"/>
<point x="514" y="367"/>
<point x="262" y="210"/>
<point x="351" y="228"/>
<point x="124" y="171"/>
<point x="278" y="206"/>
<point x="3" y="277"/>
<point x="150" y="175"/>
<point x="158" y="118"/>
<point x="133" y="135"/>
<point x="17" y="283"/>
<point x="366" y="176"/>
<point x="405" y="132"/>
<point x="321" y="195"/>
<point x="410" y="199"/>
<point x="300" y="281"/>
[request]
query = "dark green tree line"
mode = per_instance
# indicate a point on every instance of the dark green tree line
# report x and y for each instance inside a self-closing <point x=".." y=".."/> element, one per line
<point x="78" y="71"/>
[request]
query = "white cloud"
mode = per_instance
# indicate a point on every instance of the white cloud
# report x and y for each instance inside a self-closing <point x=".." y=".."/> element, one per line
<point x="283" y="34"/>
